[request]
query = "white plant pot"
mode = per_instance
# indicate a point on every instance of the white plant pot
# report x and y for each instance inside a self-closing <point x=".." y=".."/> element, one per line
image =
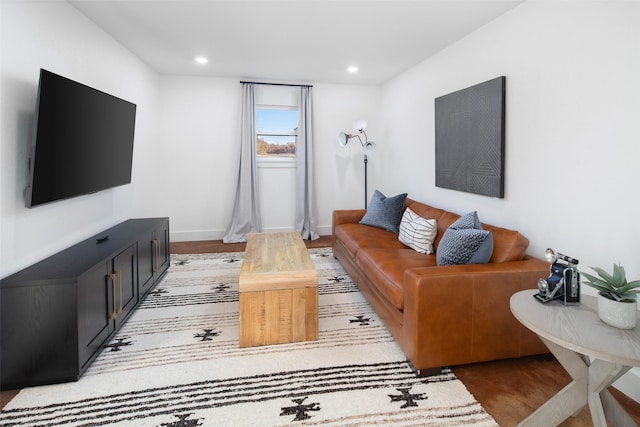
<point x="622" y="315"/>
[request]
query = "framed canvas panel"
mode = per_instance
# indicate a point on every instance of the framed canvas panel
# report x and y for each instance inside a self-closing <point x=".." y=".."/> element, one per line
<point x="470" y="144"/>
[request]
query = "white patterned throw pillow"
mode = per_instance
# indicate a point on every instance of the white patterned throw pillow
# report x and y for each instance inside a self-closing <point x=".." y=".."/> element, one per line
<point x="417" y="232"/>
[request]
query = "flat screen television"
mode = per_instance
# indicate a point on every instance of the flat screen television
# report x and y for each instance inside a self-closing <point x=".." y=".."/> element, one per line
<point x="82" y="142"/>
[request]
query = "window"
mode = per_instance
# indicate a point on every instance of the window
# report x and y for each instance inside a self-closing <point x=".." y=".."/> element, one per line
<point x="276" y="132"/>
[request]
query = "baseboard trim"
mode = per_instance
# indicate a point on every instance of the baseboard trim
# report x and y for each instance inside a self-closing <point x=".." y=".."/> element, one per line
<point x="197" y="235"/>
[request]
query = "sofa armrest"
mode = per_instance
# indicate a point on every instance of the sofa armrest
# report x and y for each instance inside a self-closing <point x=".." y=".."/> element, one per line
<point x="460" y="313"/>
<point x="347" y="216"/>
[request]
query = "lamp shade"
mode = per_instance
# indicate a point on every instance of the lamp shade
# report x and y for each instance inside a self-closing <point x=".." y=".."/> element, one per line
<point x="369" y="147"/>
<point x="360" y="125"/>
<point x="343" y="138"/>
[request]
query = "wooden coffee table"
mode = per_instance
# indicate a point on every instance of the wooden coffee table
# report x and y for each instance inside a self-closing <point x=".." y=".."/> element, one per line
<point x="278" y="291"/>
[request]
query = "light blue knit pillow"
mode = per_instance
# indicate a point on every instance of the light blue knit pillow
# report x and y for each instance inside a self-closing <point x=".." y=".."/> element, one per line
<point x="384" y="212"/>
<point x="465" y="242"/>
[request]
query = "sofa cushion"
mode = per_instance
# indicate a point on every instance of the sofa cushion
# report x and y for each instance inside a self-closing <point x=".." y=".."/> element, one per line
<point x="384" y="212"/>
<point x="417" y="232"/>
<point x="445" y="220"/>
<point x="357" y="236"/>
<point x="385" y="269"/>
<point x="508" y="245"/>
<point x="465" y="242"/>
<point x="424" y="210"/>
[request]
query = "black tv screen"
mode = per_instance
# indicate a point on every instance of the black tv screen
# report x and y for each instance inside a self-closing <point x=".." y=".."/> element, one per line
<point x="83" y="141"/>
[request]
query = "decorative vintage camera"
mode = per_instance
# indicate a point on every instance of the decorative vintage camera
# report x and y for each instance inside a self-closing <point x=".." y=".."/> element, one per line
<point x="563" y="283"/>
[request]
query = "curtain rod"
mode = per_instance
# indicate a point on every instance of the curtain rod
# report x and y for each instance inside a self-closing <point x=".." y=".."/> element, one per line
<point x="275" y="84"/>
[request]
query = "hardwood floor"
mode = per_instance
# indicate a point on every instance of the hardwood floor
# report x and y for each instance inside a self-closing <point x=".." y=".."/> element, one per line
<point x="508" y="389"/>
<point x="512" y="389"/>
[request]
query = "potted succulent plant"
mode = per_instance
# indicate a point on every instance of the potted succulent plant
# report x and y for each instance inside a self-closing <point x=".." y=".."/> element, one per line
<point x="617" y="303"/>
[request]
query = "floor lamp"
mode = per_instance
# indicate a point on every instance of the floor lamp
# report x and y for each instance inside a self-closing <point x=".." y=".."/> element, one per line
<point x="367" y="147"/>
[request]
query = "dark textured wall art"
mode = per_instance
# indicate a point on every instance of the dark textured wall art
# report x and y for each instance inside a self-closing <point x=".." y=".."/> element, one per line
<point x="469" y="127"/>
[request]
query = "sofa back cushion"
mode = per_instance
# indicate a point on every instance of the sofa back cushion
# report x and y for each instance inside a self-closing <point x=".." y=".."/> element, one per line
<point x="425" y="211"/>
<point x="444" y="222"/>
<point x="508" y="245"/>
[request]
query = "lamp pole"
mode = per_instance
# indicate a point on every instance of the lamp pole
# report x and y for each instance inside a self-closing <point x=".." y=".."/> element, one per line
<point x="365" y="180"/>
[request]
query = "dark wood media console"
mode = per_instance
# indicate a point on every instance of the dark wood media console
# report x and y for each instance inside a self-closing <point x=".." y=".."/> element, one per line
<point x="57" y="314"/>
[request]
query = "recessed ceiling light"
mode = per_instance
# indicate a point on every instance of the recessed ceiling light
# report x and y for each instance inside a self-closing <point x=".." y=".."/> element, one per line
<point x="352" y="69"/>
<point x="201" y="60"/>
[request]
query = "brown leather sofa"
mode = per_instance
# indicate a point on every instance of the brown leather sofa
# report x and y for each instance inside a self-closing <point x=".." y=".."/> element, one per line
<point x="441" y="315"/>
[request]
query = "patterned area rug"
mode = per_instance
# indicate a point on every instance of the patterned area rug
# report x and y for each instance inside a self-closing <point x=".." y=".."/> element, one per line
<point x="176" y="362"/>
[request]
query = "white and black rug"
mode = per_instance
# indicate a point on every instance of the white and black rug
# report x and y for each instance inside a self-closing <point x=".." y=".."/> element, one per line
<point x="176" y="362"/>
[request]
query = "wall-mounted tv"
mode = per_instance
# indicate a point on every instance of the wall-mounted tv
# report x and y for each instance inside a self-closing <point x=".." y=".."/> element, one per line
<point x="82" y="142"/>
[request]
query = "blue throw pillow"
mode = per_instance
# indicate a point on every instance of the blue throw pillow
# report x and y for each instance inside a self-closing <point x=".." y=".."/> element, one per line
<point x="465" y="242"/>
<point x="384" y="212"/>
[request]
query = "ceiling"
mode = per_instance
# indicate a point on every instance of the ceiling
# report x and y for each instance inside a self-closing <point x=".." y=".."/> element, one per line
<point x="292" y="41"/>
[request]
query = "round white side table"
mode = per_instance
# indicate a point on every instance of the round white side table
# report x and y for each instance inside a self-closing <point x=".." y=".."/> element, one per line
<point x="593" y="353"/>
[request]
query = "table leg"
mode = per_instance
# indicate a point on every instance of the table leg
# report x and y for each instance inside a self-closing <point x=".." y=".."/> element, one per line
<point x="568" y="401"/>
<point x="589" y="385"/>
<point x="615" y="412"/>
<point x="601" y="375"/>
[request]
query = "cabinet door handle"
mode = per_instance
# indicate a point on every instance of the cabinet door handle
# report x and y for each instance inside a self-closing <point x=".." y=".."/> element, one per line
<point x="156" y="254"/>
<point x="112" y="277"/>
<point x="154" y="262"/>
<point x="119" y="274"/>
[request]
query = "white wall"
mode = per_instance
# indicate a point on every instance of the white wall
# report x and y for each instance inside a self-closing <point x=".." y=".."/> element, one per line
<point x="340" y="170"/>
<point x="55" y="36"/>
<point x="186" y="143"/>
<point x="200" y="149"/>
<point x="573" y="102"/>
<point x="199" y="154"/>
<point x="572" y="134"/>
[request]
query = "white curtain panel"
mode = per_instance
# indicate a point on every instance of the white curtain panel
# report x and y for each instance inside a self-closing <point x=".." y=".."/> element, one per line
<point x="246" y="209"/>
<point x="305" y="215"/>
